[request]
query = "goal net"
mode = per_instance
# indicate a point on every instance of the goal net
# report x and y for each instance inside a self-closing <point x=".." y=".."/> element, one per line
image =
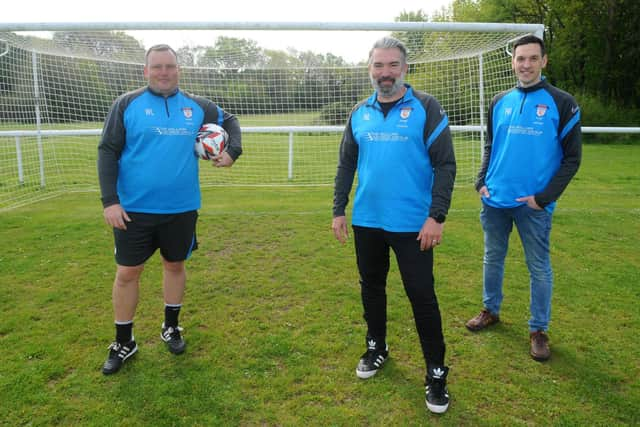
<point x="57" y="84"/>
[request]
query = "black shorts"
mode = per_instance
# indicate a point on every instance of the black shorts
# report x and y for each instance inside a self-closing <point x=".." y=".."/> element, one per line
<point x="173" y="234"/>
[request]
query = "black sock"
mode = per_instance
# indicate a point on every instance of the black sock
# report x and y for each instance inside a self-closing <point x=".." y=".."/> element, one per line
<point x="124" y="331"/>
<point x="171" y="313"/>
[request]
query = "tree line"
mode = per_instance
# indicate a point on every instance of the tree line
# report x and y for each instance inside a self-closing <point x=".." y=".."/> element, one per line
<point x="593" y="48"/>
<point x="85" y="71"/>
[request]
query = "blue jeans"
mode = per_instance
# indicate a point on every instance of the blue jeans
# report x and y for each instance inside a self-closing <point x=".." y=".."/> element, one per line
<point x="534" y="228"/>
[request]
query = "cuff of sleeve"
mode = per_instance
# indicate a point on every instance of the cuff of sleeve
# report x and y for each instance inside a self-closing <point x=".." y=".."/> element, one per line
<point x="439" y="218"/>
<point x="109" y="201"/>
<point x="540" y="202"/>
<point x="233" y="153"/>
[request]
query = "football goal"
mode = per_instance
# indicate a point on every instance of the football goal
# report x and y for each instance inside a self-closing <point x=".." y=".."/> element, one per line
<point x="291" y="85"/>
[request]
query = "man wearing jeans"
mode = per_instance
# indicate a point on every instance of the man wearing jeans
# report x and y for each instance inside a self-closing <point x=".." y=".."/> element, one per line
<point x="533" y="150"/>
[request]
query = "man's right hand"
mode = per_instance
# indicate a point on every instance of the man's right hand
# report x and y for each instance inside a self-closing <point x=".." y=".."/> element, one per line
<point x="339" y="227"/>
<point x="116" y="217"/>
<point x="484" y="192"/>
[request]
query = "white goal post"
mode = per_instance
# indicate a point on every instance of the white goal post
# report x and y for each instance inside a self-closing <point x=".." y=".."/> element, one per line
<point x="58" y="80"/>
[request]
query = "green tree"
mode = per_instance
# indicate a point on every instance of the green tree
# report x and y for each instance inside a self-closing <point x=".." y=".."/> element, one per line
<point x="115" y="45"/>
<point x="233" y="53"/>
<point x="413" y="39"/>
<point x="593" y="45"/>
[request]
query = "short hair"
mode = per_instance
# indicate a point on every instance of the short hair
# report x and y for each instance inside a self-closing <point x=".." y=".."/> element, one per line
<point x="159" y="48"/>
<point x="528" y="40"/>
<point x="389" y="43"/>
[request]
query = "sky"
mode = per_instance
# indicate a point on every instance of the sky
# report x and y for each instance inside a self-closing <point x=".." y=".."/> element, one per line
<point x="353" y="48"/>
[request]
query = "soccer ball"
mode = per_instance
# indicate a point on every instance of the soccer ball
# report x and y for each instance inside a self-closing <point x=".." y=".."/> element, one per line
<point x="211" y="140"/>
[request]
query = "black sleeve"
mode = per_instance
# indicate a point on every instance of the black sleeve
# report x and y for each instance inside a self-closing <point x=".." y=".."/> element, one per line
<point x="232" y="126"/>
<point x="571" y="142"/>
<point x="486" y="149"/>
<point x="347" y="163"/>
<point x="230" y="123"/>
<point x="442" y="156"/>
<point x="109" y="150"/>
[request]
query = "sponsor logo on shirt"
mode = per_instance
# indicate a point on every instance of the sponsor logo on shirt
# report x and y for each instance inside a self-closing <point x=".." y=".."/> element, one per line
<point x="148" y="112"/>
<point x="386" y="137"/>
<point x="171" y="131"/>
<point x="521" y="130"/>
<point x="507" y="111"/>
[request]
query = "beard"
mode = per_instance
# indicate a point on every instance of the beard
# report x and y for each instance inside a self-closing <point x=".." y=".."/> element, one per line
<point x="388" y="91"/>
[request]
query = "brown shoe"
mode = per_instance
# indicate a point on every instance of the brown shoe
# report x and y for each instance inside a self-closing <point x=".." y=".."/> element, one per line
<point x="540" y="350"/>
<point x="482" y="320"/>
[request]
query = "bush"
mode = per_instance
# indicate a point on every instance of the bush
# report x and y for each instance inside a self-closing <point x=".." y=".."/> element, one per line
<point x="594" y="112"/>
<point x="597" y="113"/>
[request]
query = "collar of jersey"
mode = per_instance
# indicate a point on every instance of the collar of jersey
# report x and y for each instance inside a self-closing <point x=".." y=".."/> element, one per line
<point x="541" y="84"/>
<point x="160" y="95"/>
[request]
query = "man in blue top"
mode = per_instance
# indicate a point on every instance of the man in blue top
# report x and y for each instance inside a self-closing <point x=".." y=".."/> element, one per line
<point x="533" y="150"/>
<point x="148" y="175"/>
<point x="399" y="141"/>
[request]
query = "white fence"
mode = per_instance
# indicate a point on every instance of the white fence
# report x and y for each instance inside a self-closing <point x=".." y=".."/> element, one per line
<point x="290" y="130"/>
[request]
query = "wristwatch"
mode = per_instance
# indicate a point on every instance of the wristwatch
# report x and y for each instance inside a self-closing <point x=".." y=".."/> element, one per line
<point x="440" y="218"/>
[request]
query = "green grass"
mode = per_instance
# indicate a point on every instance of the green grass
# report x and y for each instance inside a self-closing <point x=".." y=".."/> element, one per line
<point x="274" y="326"/>
<point x="8" y="126"/>
<point x="308" y="118"/>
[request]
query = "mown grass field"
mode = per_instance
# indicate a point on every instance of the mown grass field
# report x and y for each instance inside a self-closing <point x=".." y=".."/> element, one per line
<point x="274" y="326"/>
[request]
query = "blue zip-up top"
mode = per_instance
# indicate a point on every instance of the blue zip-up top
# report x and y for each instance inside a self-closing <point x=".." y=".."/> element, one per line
<point x="146" y="159"/>
<point x="405" y="162"/>
<point x="533" y="146"/>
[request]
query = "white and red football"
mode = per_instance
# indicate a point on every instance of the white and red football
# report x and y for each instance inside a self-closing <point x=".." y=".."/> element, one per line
<point x="211" y="140"/>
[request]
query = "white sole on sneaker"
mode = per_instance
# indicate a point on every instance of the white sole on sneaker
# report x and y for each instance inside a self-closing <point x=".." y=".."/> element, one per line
<point x="366" y="374"/>
<point x="437" y="409"/>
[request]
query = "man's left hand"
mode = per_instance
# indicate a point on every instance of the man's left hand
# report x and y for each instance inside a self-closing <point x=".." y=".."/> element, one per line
<point x="530" y="201"/>
<point x="430" y="235"/>
<point x="222" y="160"/>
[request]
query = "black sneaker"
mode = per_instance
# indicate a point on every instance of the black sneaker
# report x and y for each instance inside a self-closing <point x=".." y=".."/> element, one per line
<point x="437" y="395"/>
<point x="371" y="360"/>
<point x="118" y="353"/>
<point x="174" y="340"/>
